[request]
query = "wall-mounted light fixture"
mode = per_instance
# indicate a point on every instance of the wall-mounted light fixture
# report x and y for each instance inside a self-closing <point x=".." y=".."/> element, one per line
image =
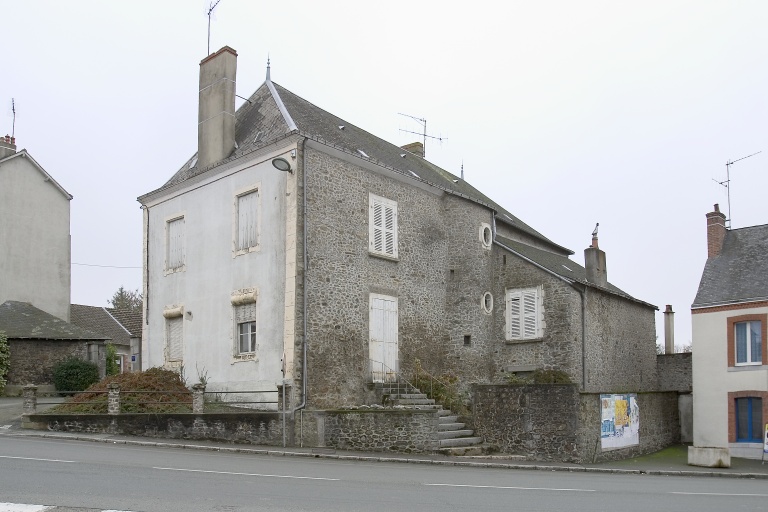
<point x="281" y="164"/>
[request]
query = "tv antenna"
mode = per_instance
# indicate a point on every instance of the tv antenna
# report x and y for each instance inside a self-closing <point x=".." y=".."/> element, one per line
<point x="211" y="7"/>
<point x="727" y="182"/>
<point x="13" y="113"/>
<point x="423" y="133"/>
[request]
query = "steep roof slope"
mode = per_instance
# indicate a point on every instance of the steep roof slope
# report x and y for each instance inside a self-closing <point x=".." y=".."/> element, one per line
<point x="273" y="112"/>
<point x="21" y="320"/>
<point x="130" y="320"/>
<point x="740" y="272"/>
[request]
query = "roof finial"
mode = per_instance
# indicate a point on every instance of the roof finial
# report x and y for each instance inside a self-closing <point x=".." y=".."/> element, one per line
<point x="462" y="169"/>
<point x="268" y="78"/>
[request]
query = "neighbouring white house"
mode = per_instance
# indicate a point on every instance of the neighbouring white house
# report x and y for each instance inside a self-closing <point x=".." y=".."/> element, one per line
<point x="35" y="254"/>
<point x="730" y="357"/>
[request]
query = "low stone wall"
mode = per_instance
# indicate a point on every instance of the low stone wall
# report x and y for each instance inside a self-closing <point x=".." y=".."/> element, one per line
<point x="263" y="428"/>
<point x="33" y="360"/>
<point x="675" y="372"/>
<point x="375" y="430"/>
<point x="535" y="420"/>
<point x="659" y="427"/>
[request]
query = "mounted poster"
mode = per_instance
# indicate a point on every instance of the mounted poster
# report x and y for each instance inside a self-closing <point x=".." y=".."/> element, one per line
<point x="620" y="426"/>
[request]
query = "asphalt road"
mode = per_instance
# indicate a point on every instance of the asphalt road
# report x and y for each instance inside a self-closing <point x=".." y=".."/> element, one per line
<point x="148" y="479"/>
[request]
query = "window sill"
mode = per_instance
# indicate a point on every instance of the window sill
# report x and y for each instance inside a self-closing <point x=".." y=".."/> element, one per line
<point x="747" y="368"/>
<point x="240" y="358"/>
<point x="383" y="256"/>
<point x="241" y="252"/>
<point x="169" y="271"/>
<point x="526" y="340"/>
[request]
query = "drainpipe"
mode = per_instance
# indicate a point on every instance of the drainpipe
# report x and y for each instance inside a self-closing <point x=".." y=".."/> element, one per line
<point x="583" y="294"/>
<point x="303" y="403"/>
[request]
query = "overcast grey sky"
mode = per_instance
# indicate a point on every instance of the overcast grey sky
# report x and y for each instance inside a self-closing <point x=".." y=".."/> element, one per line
<point x="567" y="113"/>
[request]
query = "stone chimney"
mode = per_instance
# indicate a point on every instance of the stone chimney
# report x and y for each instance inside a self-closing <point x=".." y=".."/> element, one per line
<point x="669" y="330"/>
<point x="216" y="113"/>
<point x="594" y="263"/>
<point x="7" y="146"/>
<point x="715" y="232"/>
<point x="417" y="148"/>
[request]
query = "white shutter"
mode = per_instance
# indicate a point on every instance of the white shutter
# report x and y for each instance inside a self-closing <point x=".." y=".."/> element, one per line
<point x="382" y="231"/>
<point x="383" y="350"/>
<point x="248" y="220"/>
<point x="176" y="251"/>
<point x="175" y="339"/>
<point x="513" y="315"/>
<point x="530" y="314"/>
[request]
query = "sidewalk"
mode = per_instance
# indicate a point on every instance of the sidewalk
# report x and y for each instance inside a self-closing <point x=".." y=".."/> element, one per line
<point x="671" y="461"/>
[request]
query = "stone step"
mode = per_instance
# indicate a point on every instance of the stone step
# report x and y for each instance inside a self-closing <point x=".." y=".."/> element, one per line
<point x="413" y="401"/>
<point x="446" y="412"/>
<point x="408" y="396"/>
<point x="454" y="434"/>
<point x="447" y="418"/>
<point x="449" y="426"/>
<point x="463" y="451"/>
<point x="460" y="441"/>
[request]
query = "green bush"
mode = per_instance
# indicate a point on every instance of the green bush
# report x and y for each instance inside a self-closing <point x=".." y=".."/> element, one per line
<point x="73" y="374"/>
<point x="551" y="377"/>
<point x="5" y="360"/>
<point x="112" y="366"/>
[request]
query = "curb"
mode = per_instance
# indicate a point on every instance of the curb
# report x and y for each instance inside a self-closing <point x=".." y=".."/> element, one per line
<point x="400" y="460"/>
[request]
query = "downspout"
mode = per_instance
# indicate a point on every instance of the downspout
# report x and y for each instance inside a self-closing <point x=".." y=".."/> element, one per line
<point x="146" y="294"/>
<point x="303" y="403"/>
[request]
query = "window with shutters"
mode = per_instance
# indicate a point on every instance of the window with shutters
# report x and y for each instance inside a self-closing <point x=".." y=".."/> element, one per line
<point x="524" y="314"/>
<point x="245" y="331"/>
<point x="382" y="227"/>
<point x="174" y="340"/>
<point x="247" y="222"/>
<point x="175" y="256"/>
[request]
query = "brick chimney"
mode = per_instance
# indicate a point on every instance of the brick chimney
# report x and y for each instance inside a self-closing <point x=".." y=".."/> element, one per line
<point x="715" y="232"/>
<point x="594" y="263"/>
<point x="7" y="146"/>
<point x="417" y="148"/>
<point x="216" y="113"/>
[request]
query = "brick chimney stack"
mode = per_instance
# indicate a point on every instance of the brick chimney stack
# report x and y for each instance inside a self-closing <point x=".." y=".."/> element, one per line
<point x="7" y="146"/>
<point x="715" y="232"/>
<point x="216" y="113"/>
<point x="417" y="148"/>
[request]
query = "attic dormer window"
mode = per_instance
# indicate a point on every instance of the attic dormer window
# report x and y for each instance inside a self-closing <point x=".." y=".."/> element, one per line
<point x="363" y="153"/>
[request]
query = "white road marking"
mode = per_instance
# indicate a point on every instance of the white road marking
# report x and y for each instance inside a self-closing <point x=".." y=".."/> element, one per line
<point x="248" y="474"/>
<point x="718" y="494"/>
<point x="31" y="458"/>
<point x="510" y="487"/>
<point x="5" y="427"/>
<point x="20" y="507"/>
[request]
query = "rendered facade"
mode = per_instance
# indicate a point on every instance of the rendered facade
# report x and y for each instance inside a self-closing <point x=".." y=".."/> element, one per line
<point x="730" y="357"/>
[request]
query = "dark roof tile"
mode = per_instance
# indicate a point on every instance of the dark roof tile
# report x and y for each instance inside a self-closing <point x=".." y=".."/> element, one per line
<point x="21" y="320"/>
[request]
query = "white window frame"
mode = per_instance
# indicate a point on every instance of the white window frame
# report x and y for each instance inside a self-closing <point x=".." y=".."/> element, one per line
<point x="485" y="229"/>
<point x="245" y="314"/>
<point x="382" y="238"/>
<point x="751" y="361"/>
<point x="523" y="314"/>
<point x="175" y="244"/>
<point x="254" y="243"/>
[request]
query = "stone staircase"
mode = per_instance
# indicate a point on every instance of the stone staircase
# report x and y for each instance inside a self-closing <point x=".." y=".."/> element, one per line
<point x="452" y="436"/>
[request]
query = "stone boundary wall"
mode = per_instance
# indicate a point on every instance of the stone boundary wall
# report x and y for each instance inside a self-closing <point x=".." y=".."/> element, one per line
<point x="675" y="372"/>
<point x="33" y="360"/>
<point x="263" y="428"/>
<point x="372" y="430"/>
<point x="659" y="426"/>
<point x="535" y="420"/>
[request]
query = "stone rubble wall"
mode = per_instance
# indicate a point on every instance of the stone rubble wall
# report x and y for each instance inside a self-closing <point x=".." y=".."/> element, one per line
<point x="32" y="361"/>
<point x="675" y="372"/>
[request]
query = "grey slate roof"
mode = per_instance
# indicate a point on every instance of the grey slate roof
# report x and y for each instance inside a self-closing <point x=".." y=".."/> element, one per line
<point x="740" y="272"/>
<point x="562" y="266"/>
<point x="21" y="320"/>
<point x="99" y="320"/>
<point x="259" y="122"/>
<point x="130" y="320"/>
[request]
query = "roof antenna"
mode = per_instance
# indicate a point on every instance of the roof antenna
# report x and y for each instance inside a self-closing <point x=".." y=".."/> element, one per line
<point x="727" y="183"/>
<point x="13" y="110"/>
<point x="423" y="123"/>
<point x="212" y="6"/>
<point x="462" y="169"/>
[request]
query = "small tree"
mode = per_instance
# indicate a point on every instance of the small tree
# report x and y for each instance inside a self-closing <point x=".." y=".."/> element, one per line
<point x="5" y="360"/>
<point x="112" y="367"/>
<point x="129" y="300"/>
<point x="73" y="374"/>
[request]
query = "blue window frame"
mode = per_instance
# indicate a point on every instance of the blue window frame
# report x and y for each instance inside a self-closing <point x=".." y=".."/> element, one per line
<point x="749" y="420"/>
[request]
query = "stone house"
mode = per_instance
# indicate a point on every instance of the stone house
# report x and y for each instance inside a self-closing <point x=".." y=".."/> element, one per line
<point x="35" y="252"/>
<point x="38" y="341"/>
<point x="730" y="356"/>
<point x="296" y="248"/>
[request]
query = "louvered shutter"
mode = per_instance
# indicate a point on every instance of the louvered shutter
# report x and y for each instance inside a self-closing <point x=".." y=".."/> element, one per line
<point x="383" y="226"/>
<point x="248" y="220"/>
<point x="513" y="316"/>
<point x="176" y="252"/>
<point x="175" y="333"/>
<point x="530" y="314"/>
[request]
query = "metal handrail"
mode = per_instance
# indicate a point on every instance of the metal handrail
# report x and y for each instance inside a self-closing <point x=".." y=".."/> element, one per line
<point x="399" y="375"/>
<point x="432" y="379"/>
